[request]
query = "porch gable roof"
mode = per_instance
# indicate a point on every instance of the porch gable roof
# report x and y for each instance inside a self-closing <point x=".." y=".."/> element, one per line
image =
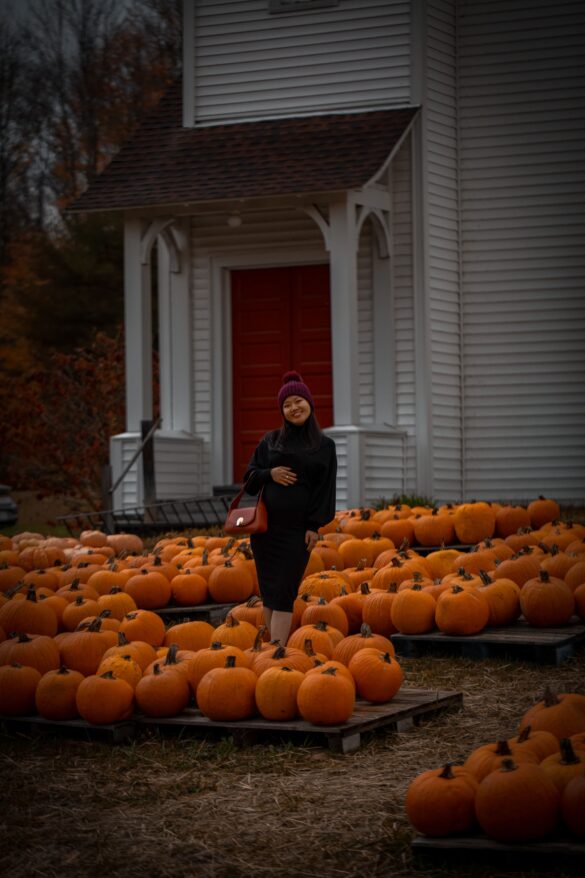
<point x="163" y="163"/>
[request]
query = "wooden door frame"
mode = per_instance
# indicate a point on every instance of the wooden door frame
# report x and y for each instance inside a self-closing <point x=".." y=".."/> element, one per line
<point x="221" y="366"/>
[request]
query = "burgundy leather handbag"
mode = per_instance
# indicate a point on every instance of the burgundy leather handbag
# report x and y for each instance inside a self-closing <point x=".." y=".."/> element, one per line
<point x="248" y="519"/>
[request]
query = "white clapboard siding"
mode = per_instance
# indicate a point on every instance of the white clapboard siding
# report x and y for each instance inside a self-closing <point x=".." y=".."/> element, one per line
<point x="401" y="346"/>
<point x="177" y="467"/>
<point x="261" y="233"/>
<point x="383" y="466"/>
<point x="366" y="325"/>
<point x="252" y="64"/>
<point x="440" y="139"/>
<point x="122" y="447"/>
<point x="522" y="149"/>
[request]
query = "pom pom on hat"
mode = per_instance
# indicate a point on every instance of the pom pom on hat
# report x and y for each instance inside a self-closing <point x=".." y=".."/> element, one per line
<point x="293" y="385"/>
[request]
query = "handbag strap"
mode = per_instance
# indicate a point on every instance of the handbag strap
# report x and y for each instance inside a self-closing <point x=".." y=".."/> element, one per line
<point x="242" y="491"/>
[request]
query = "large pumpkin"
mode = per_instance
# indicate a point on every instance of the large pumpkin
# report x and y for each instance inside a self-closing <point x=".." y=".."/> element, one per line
<point x="517" y="803"/>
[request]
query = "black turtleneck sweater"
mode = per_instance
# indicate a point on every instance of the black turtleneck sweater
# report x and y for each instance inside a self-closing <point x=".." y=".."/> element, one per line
<point x="310" y="502"/>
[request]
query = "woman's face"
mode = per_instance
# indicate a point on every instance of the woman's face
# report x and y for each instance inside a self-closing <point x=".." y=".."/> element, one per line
<point x="296" y="410"/>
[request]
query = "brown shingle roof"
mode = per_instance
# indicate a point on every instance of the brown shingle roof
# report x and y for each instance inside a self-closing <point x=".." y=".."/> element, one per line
<point x="164" y="163"/>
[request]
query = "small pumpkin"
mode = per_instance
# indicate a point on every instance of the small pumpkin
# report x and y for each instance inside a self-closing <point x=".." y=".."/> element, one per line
<point x="441" y="802"/>
<point x="227" y="693"/>
<point x="276" y="693"/>
<point x="163" y="693"/>
<point x="103" y="699"/>
<point x="55" y="696"/>
<point x="377" y="675"/>
<point x="326" y="697"/>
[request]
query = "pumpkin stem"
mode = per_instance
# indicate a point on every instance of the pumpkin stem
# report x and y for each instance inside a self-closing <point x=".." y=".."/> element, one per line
<point x="503" y="748"/>
<point x="524" y="734"/>
<point x="447" y="771"/>
<point x="320" y="626"/>
<point x="365" y="630"/>
<point x="387" y="658"/>
<point x="231" y="621"/>
<point x="171" y="656"/>
<point x="63" y="670"/>
<point x="456" y="589"/>
<point x="364" y="588"/>
<point x="122" y="639"/>
<point x="308" y="647"/>
<point x="568" y="755"/>
<point x="544" y="576"/>
<point x="31" y="594"/>
<point x="216" y="645"/>
<point x="485" y="577"/>
<point x="157" y="670"/>
<point x="251" y="602"/>
<point x="279" y="652"/>
<point x="331" y="671"/>
<point x="550" y="698"/>
<point x="24" y="638"/>
<point x="508" y="765"/>
<point x="230" y="661"/>
<point x="108" y="675"/>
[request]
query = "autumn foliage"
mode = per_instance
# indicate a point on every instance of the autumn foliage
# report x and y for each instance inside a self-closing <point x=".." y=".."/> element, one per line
<point x="56" y="422"/>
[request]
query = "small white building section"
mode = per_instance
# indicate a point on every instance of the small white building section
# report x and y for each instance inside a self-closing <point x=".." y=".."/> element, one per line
<point x="457" y="264"/>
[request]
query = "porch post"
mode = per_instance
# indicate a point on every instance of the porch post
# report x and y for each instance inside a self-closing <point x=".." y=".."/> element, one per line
<point x="138" y="329"/>
<point x="174" y="330"/>
<point x="344" y="314"/>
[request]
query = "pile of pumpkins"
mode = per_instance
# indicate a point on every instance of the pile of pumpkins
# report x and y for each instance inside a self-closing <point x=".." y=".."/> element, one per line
<point x="99" y="592"/>
<point x="518" y="789"/>
<point x="104" y="672"/>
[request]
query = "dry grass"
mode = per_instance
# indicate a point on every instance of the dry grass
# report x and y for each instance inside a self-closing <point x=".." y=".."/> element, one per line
<point x="172" y="806"/>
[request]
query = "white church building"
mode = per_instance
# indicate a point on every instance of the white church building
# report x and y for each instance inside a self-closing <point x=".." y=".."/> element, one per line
<point x="388" y="196"/>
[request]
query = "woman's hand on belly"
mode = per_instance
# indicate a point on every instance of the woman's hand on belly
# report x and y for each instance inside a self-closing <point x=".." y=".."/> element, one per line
<point x="283" y="475"/>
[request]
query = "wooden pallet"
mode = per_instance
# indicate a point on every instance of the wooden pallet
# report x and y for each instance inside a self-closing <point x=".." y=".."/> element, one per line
<point x="519" y="641"/>
<point x="213" y="613"/>
<point x="112" y="733"/>
<point x="557" y="853"/>
<point x="399" y="714"/>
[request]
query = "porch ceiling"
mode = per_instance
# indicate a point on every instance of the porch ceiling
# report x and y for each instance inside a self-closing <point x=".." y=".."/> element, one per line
<point x="166" y="164"/>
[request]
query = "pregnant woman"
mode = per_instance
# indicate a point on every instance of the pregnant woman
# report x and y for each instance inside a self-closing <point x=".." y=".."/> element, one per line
<point x="296" y="464"/>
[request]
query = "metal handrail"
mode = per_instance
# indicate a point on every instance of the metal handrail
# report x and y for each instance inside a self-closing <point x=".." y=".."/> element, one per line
<point x="137" y="453"/>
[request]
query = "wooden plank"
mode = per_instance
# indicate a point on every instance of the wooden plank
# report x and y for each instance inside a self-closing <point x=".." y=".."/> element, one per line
<point x="557" y="852"/>
<point x="114" y="733"/>
<point x="213" y="613"/>
<point x="520" y="641"/>
<point x="407" y="705"/>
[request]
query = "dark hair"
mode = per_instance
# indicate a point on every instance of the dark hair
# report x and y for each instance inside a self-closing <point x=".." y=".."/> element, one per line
<point x="309" y="436"/>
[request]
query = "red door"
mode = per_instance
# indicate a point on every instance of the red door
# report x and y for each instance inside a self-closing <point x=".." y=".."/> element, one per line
<point x="280" y="321"/>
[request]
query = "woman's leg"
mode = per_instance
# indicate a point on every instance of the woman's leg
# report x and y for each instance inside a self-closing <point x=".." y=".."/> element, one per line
<point x="280" y="626"/>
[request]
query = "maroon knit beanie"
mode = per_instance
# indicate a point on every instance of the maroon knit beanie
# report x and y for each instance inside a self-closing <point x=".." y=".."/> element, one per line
<point x="293" y="385"/>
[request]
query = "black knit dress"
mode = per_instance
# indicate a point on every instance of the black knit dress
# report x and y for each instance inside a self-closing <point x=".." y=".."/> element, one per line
<point x="280" y="553"/>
